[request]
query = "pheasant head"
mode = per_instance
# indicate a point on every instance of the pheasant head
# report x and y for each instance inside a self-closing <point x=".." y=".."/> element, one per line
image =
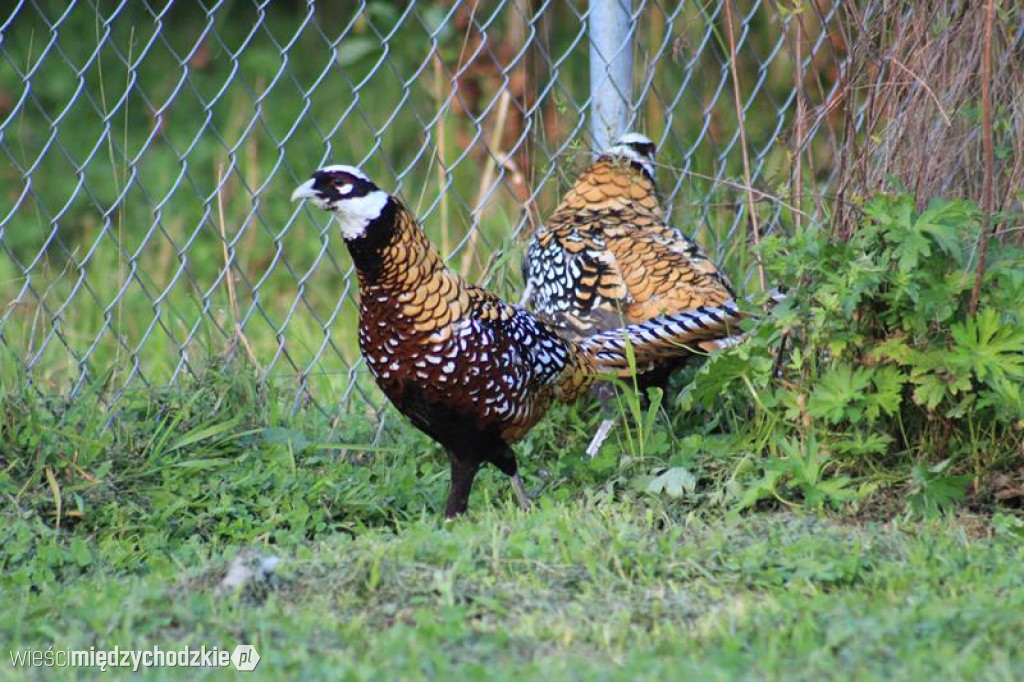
<point x="636" y="149"/>
<point x="621" y="178"/>
<point x="384" y="239"/>
<point x="352" y="197"/>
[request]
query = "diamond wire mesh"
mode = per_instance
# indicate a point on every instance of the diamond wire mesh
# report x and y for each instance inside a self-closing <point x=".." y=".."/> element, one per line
<point x="152" y="149"/>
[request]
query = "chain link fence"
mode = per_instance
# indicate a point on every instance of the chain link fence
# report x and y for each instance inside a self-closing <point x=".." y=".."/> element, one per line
<point x="145" y="226"/>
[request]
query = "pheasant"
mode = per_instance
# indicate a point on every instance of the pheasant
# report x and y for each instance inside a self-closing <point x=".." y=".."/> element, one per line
<point x="471" y="371"/>
<point x="607" y="257"/>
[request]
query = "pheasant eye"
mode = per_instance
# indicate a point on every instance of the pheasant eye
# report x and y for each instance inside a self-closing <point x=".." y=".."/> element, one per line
<point x="343" y="183"/>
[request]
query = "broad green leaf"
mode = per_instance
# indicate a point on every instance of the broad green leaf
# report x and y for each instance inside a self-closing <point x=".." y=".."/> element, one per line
<point x="837" y="391"/>
<point x="930" y="391"/>
<point x="935" y="491"/>
<point x="991" y="347"/>
<point x="888" y="381"/>
<point x="674" y="482"/>
<point x="858" y="443"/>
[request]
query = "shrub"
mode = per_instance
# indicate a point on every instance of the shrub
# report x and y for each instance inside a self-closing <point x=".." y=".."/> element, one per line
<point x="884" y="374"/>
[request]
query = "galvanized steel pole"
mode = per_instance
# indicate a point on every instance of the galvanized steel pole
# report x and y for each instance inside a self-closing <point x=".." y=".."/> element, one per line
<point x="610" y="26"/>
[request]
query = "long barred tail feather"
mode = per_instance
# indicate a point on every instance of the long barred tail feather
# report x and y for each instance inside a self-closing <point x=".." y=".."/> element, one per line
<point x="659" y="338"/>
<point x="775" y="296"/>
<point x="705" y="328"/>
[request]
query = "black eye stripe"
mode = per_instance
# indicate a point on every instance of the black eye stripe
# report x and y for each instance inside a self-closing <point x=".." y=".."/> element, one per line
<point x="337" y="178"/>
<point x="341" y="185"/>
<point x="644" y="148"/>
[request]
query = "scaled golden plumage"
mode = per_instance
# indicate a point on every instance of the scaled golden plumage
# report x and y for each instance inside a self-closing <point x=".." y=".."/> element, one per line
<point x="607" y="257"/>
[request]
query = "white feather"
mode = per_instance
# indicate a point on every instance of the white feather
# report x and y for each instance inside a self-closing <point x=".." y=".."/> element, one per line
<point x="634" y="138"/>
<point x="341" y="168"/>
<point x="355" y="214"/>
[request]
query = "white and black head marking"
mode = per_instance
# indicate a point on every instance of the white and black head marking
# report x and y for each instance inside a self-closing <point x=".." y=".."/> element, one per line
<point x="349" y="194"/>
<point x="638" y="150"/>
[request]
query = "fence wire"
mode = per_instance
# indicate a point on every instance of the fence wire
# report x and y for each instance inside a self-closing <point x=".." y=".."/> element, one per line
<point x="145" y="229"/>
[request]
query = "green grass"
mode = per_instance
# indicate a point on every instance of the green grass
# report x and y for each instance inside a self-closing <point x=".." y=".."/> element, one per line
<point x="578" y="590"/>
<point x="601" y="580"/>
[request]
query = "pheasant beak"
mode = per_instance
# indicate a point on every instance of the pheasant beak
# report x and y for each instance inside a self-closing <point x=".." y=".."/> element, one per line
<point x="304" y="191"/>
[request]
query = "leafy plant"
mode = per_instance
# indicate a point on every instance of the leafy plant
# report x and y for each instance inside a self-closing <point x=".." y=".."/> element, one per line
<point x="885" y="376"/>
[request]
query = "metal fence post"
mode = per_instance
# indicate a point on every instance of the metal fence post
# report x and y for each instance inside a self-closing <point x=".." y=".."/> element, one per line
<point x="611" y="69"/>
